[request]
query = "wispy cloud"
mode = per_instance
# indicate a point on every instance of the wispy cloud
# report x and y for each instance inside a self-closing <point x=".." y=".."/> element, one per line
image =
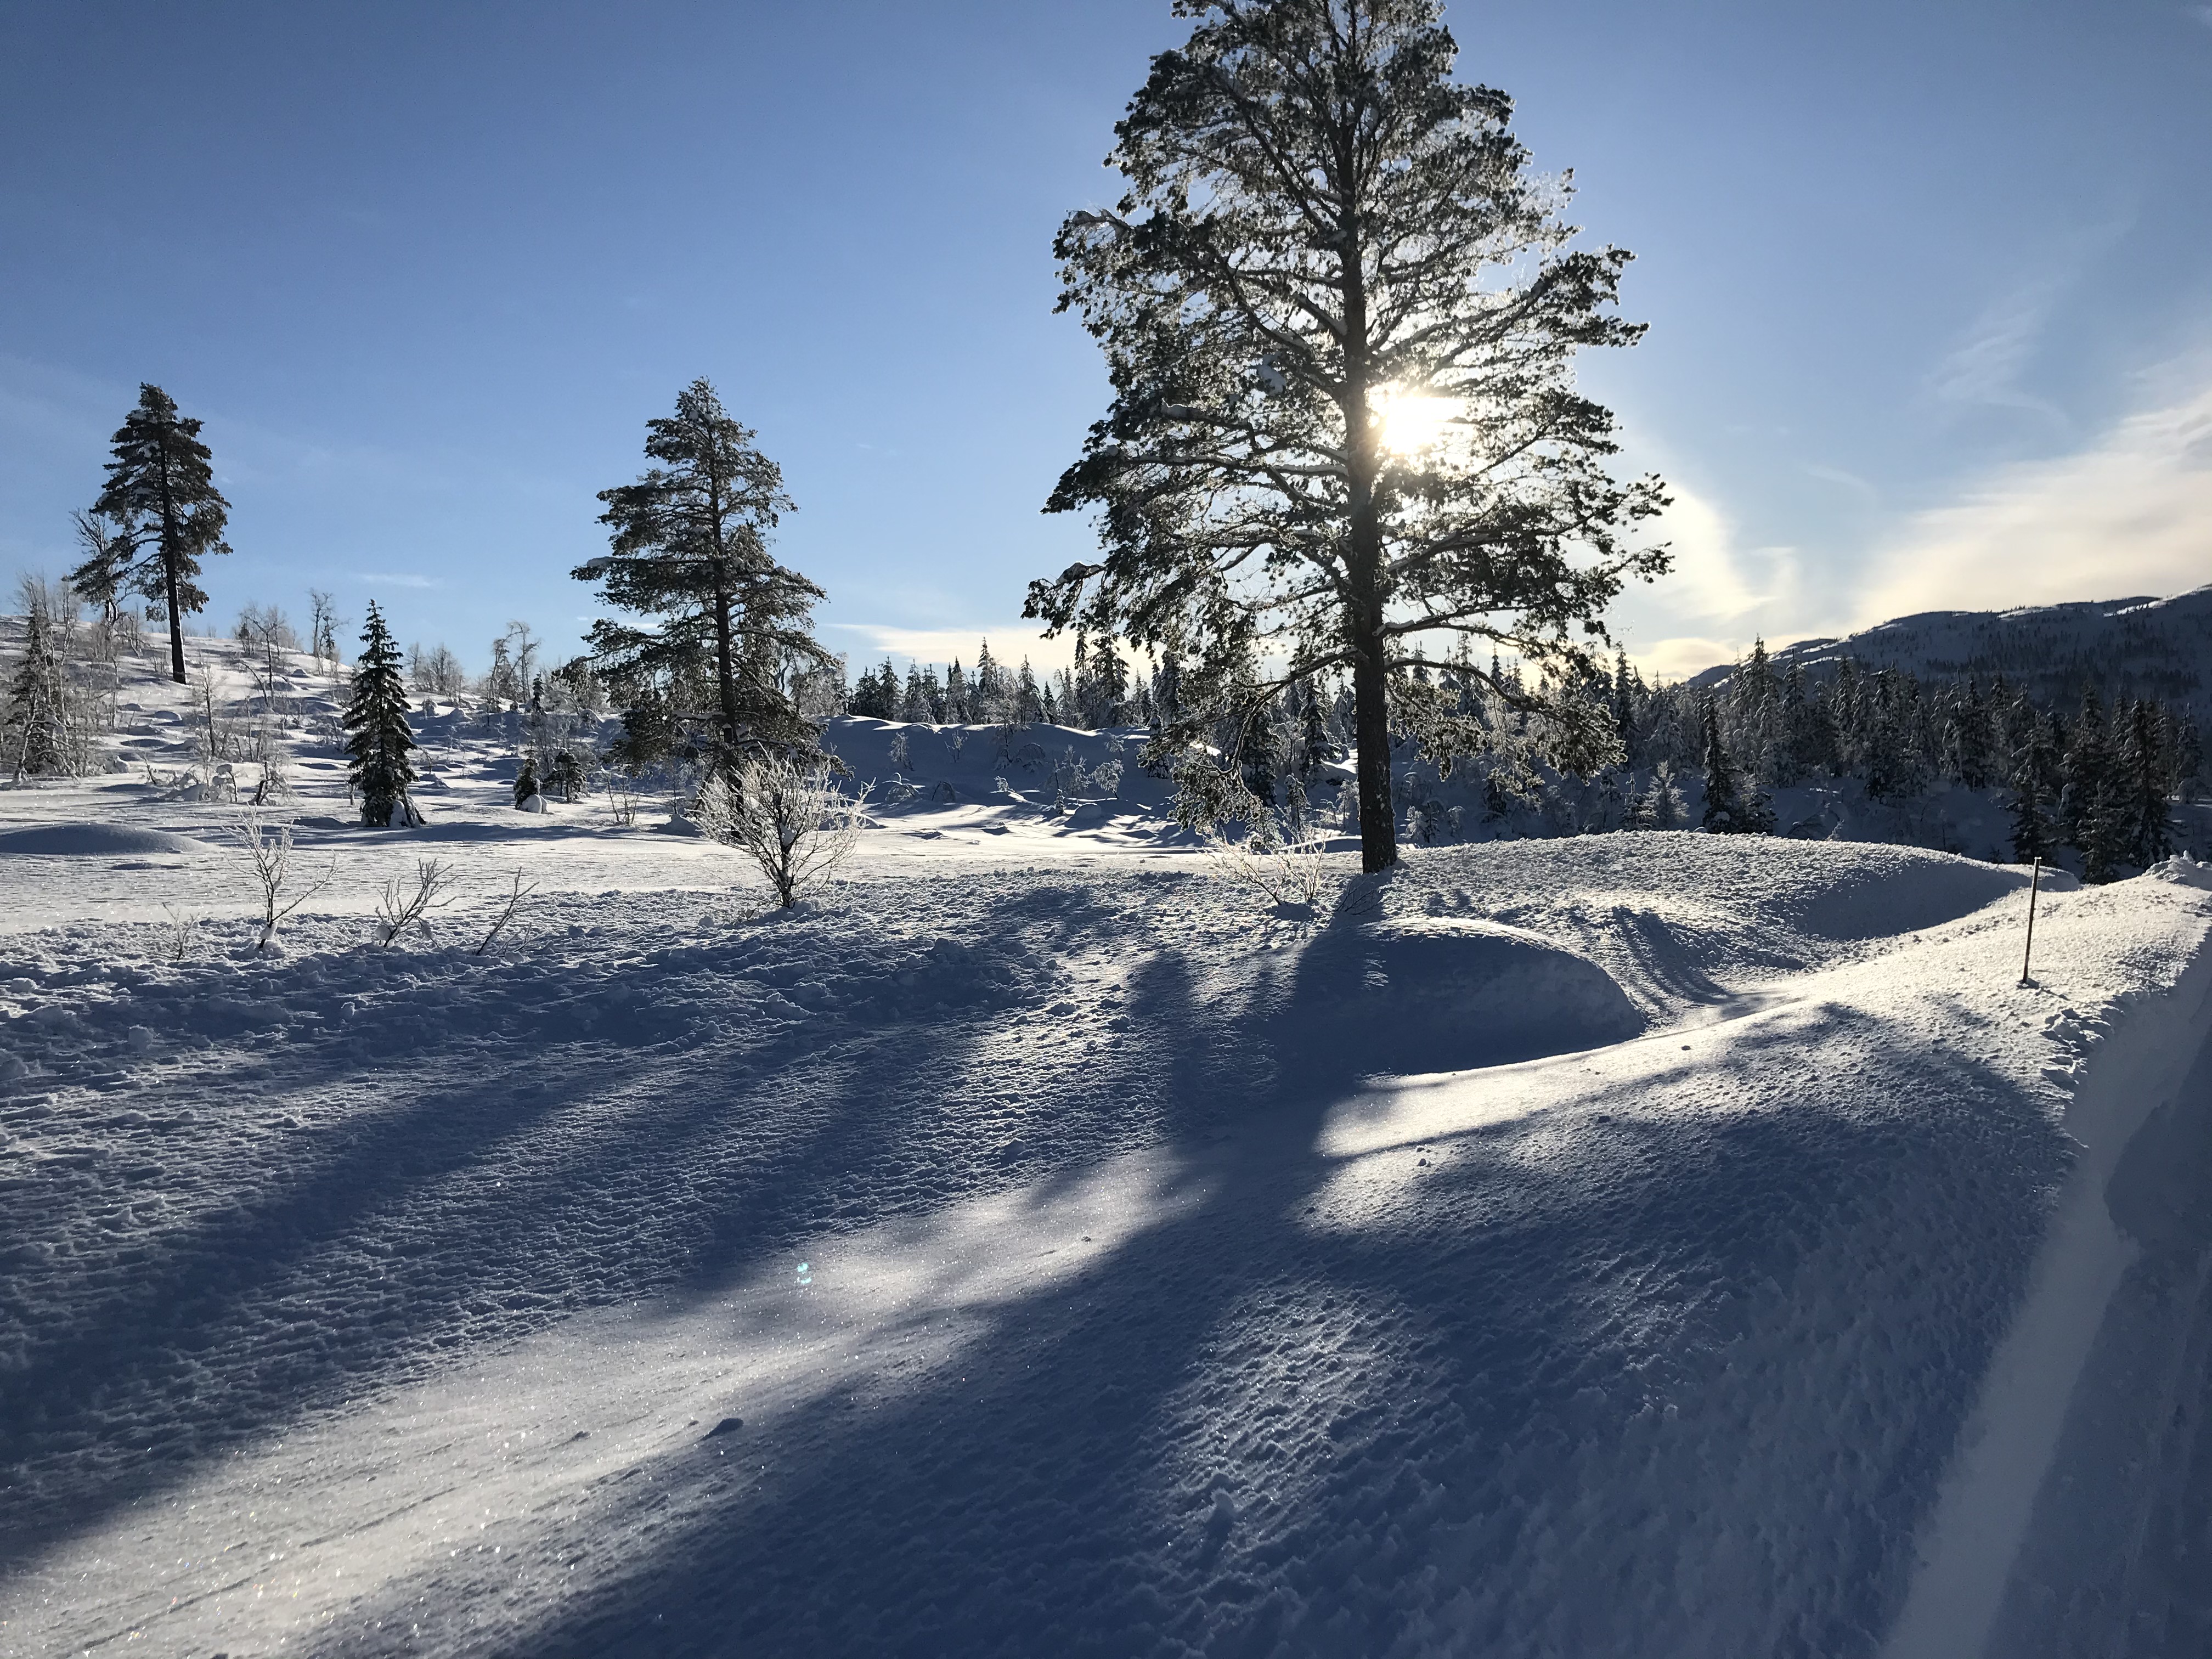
<point x="867" y="642"/>
<point x="1983" y="369"/>
<point x="1720" y="595"/>
<point x="2132" y="513"/>
<point x="1862" y="488"/>
<point x="395" y="579"/>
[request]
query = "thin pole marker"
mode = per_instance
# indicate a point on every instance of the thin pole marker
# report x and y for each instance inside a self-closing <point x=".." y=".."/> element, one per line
<point x="2034" y="883"/>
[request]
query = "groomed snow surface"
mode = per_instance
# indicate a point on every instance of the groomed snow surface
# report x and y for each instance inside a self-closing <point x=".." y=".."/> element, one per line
<point x="1653" y="1244"/>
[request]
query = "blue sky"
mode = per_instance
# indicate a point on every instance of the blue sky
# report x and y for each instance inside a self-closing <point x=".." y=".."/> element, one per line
<point x="1929" y="287"/>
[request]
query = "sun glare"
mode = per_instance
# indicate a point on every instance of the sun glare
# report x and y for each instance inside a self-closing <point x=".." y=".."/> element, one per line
<point x="1414" y="421"/>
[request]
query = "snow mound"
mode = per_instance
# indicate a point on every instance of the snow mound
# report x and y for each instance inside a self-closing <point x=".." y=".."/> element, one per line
<point x="96" y="840"/>
<point x="1440" y="994"/>
<point x="1897" y="892"/>
<point x="2184" y="871"/>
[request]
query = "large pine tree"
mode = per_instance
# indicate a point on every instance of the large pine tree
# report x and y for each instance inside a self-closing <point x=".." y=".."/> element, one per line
<point x="1340" y="314"/>
<point x="690" y="547"/>
<point x="378" y="737"/>
<point x="160" y="491"/>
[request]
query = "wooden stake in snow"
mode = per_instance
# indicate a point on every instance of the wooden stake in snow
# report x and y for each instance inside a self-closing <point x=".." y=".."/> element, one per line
<point x="2034" y="883"/>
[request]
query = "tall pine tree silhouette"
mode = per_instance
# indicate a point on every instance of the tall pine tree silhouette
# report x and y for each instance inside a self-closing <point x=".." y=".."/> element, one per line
<point x="2142" y="783"/>
<point x="2090" y="817"/>
<point x="378" y="736"/>
<point x="160" y="489"/>
<point x="2034" y="782"/>
<point x="1340" y="313"/>
<point x="1723" y="794"/>
<point x="690" y="547"/>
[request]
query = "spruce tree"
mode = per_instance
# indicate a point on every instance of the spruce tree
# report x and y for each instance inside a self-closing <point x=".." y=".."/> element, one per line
<point x="1258" y="750"/>
<point x="1968" y="731"/>
<point x="990" y="688"/>
<point x="914" y="704"/>
<point x="648" y="733"/>
<point x="1624" y="709"/>
<point x="2145" y="828"/>
<point x="1315" y="749"/>
<point x="2187" y="759"/>
<point x="567" y="775"/>
<point x="2034" y="785"/>
<point x="1724" y="802"/>
<point x="526" y="782"/>
<point x="1340" y="314"/>
<point x="2084" y="776"/>
<point x="689" y="542"/>
<point x="1755" y="710"/>
<point x="160" y="491"/>
<point x="2094" y="814"/>
<point x="1890" y="722"/>
<point x="1847" y="703"/>
<point x="378" y="737"/>
<point x="33" y="723"/>
<point x="876" y="697"/>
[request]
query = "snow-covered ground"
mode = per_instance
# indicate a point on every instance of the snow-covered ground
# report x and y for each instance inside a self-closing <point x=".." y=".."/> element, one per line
<point x="1662" y="1244"/>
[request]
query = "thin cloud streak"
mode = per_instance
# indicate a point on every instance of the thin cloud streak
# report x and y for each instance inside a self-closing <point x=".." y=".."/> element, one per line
<point x="2131" y="514"/>
<point x="868" y="643"/>
<point x="1720" y="595"/>
<point x="1984" y="370"/>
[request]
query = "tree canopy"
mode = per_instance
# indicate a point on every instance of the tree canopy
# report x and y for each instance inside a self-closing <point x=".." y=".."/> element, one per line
<point x="690" y="546"/>
<point x="378" y="737"/>
<point x="1339" y="313"/>
<point x="162" y="514"/>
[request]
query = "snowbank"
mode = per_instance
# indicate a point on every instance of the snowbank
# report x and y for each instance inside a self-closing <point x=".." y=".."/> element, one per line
<point x="1437" y="994"/>
<point x="95" y="841"/>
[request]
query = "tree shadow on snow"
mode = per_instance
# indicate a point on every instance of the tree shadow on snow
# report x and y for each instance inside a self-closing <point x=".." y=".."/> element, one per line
<point x="458" y="1215"/>
<point x="1682" y="1384"/>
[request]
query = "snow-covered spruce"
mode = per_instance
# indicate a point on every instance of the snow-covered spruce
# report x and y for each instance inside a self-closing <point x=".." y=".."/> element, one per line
<point x="378" y="737"/>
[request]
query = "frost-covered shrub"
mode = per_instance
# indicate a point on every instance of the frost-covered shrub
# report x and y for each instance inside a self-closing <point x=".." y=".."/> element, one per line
<point x="788" y="818"/>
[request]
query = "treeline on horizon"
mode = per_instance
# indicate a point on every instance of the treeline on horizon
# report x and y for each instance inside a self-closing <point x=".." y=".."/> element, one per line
<point x="734" y="669"/>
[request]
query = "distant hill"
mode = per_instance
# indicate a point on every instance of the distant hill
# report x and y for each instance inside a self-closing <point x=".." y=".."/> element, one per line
<point x="2134" y="647"/>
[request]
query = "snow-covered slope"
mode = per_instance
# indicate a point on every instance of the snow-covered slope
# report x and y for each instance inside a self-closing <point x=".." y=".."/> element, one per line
<point x="2160" y="649"/>
<point x="1040" y="1244"/>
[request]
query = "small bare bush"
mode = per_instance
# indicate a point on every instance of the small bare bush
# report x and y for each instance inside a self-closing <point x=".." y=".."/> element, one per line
<point x="181" y="933"/>
<point x="1289" y="870"/>
<point x="788" y="818"/>
<point x="269" y="851"/>
<point x="508" y="905"/>
<point x="401" y="907"/>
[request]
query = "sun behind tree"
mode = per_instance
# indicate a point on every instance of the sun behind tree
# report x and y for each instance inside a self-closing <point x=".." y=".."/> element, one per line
<point x="1340" y="314"/>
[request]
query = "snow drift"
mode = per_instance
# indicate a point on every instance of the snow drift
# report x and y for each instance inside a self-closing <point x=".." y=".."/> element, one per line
<point x="1440" y="994"/>
<point x="95" y="841"/>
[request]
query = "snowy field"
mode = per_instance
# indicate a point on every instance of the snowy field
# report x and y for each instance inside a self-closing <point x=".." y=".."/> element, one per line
<point x="1653" y="1244"/>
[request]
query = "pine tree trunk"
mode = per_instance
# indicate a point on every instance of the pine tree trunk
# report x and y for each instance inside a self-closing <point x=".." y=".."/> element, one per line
<point x="1370" y="703"/>
<point x="171" y="554"/>
<point x="1378" y="820"/>
<point x="725" y="669"/>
